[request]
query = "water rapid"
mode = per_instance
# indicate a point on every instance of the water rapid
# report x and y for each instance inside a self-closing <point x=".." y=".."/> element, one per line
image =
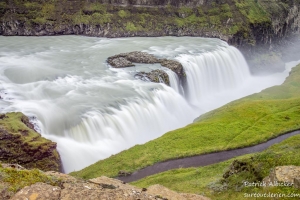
<point x="93" y="111"/>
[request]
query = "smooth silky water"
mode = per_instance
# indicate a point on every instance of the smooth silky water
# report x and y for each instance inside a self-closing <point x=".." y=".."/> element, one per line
<point x="93" y="111"/>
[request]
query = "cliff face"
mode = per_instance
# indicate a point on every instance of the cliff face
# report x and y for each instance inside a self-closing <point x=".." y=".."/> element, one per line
<point x="21" y="144"/>
<point x="254" y="26"/>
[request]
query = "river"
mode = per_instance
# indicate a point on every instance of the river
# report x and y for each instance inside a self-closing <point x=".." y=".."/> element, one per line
<point x="92" y="111"/>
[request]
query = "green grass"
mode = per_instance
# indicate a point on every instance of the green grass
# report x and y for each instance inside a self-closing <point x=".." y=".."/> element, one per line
<point x="248" y="121"/>
<point x="13" y="124"/>
<point x="18" y="179"/>
<point x="210" y="182"/>
<point x="253" y="11"/>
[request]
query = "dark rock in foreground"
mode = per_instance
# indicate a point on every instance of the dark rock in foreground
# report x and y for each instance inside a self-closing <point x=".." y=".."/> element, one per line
<point x="21" y="144"/>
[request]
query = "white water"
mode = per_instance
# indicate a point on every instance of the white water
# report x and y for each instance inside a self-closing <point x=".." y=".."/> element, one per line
<point x="93" y="111"/>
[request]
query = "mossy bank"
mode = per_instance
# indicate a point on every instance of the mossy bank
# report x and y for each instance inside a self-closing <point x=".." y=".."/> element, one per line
<point x="252" y="25"/>
<point x="21" y="144"/>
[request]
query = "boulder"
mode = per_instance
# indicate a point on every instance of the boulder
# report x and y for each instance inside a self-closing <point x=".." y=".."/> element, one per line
<point x="127" y="59"/>
<point x="290" y="175"/>
<point x="124" y="173"/>
<point x="157" y="76"/>
<point x="38" y="191"/>
<point x="175" y="66"/>
<point x="141" y="57"/>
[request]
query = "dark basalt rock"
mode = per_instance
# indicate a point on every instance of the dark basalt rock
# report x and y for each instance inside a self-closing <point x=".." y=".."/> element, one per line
<point x="127" y="59"/>
<point x="124" y="173"/>
<point x="175" y="66"/>
<point x="141" y="57"/>
<point x="157" y="76"/>
<point x="119" y="62"/>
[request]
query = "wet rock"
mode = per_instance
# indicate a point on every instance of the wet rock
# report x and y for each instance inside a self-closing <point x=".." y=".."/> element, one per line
<point x="157" y="76"/>
<point x="127" y="59"/>
<point x="38" y="191"/>
<point x="284" y="174"/>
<point x="141" y="57"/>
<point x="124" y="173"/>
<point x="175" y="66"/>
<point x="119" y="62"/>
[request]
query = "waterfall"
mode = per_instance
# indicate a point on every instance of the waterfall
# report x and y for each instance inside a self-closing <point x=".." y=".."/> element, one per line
<point x="102" y="133"/>
<point x="174" y="81"/>
<point x="212" y="72"/>
<point x="93" y="111"/>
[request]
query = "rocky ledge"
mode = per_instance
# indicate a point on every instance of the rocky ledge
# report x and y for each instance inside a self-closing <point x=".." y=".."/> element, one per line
<point x="62" y="186"/>
<point x="157" y="76"/>
<point x="128" y="59"/>
<point x="21" y="144"/>
<point x="289" y="175"/>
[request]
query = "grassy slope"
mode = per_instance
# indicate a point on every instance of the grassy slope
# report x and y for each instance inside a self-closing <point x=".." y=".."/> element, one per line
<point x="244" y="122"/>
<point x="209" y="181"/>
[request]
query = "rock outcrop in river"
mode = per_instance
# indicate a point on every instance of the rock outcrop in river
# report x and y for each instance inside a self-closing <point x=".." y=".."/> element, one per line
<point x="128" y="59"/>
<point x="21" y="144"/>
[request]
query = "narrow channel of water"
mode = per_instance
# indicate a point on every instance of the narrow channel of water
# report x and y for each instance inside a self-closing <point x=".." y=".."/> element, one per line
<point x="204" y="159"/>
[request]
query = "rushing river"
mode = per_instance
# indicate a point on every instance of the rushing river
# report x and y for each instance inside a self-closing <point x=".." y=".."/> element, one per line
<point x="93" y="111"/>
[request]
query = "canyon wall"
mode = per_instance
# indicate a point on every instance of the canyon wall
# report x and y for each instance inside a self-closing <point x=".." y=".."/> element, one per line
<point x="254" y="26"/>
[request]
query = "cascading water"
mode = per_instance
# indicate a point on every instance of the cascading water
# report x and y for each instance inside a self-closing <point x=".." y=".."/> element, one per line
<point x="93" y="111"/>
<point x="211" y="72"/>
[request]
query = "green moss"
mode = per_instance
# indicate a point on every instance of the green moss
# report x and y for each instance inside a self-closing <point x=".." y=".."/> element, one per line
<point x="185" y="12"/>
<point x="214" y="11"/>
<point x="131" y="27"/>
<point x="253" y="11"/>
<point x="123" y="13"/>
<point x="18" y="179"/>
<point x="215" y="20"/>
<point x="233" y="30"/>
<point x="39" y="20"/>
<point x="245" y="122"/>
<point x="95" y="7"/>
